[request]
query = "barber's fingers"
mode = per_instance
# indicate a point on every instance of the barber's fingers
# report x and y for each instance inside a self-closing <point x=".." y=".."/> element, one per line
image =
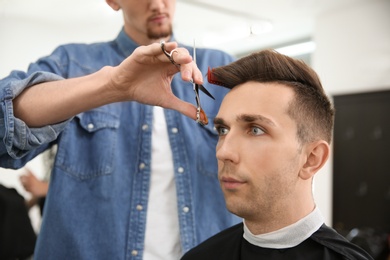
<point x="184" y="63"/>
<point x="143" y="53"/>
<point x="181" y="106"/>
<point x="188" y="69"/>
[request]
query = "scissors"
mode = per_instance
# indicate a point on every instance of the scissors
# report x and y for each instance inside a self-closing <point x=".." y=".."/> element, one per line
<point x="201" y="117"/>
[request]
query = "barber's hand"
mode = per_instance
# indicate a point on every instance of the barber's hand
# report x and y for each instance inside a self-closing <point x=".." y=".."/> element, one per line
<point x="146" y="77"/>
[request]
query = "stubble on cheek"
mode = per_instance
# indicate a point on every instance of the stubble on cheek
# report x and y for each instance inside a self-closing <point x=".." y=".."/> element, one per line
<point x="240" y="202"/>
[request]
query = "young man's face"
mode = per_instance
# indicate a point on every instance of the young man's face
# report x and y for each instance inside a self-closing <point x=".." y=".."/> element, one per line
<point x="258" y="152"/>
<point x="147" y="20"/>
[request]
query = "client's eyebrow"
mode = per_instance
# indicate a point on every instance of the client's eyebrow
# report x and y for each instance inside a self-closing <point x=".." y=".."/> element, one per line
<point x="248" y="118"/>
<point x="219" y="121"/>
<point x="251" y="118"/>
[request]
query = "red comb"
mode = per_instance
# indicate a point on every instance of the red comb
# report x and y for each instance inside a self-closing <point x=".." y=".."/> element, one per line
<point x="212" y="79"/>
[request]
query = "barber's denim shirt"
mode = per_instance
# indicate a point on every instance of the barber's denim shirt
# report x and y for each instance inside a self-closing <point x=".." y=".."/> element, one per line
<point x="99" y="187"/>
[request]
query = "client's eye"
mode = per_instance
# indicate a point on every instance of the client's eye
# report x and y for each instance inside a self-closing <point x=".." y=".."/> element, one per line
<point x="256" y="130"/>
<point x="221" y="130"/>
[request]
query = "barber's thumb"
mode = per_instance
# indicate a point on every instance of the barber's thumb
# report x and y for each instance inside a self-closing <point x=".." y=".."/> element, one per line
<point x="183" y="107"/>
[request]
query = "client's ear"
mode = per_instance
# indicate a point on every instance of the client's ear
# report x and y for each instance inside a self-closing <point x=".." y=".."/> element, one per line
<point x="317" y="155"/>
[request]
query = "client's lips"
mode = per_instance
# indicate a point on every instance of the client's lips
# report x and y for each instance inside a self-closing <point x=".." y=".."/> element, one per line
<point x="231" y="183"/>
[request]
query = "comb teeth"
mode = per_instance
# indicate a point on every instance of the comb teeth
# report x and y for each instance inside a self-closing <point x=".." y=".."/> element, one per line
<point x="212" y="79"/>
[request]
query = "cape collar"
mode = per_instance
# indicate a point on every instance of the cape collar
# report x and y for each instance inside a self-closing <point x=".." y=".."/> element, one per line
<point x="289" y="236"/>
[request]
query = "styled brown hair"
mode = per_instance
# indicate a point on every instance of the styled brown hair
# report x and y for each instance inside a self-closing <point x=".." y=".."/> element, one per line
<point x="311" y="108"/>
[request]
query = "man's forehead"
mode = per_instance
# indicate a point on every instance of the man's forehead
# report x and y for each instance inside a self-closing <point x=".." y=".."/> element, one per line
<point x="256" y="100"/>
<point x="252" y="93"/>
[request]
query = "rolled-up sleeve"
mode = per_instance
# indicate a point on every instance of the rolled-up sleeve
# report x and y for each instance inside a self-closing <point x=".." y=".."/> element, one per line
<point x="16" y="137"/>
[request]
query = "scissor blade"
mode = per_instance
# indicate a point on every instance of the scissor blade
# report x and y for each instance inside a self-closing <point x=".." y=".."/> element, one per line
<point x="204" y="90"/>
<point x="194" y="85"/>
<point x="194" y="53"/>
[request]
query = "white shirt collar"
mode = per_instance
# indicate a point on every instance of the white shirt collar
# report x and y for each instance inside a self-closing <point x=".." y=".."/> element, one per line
<point x="289" y="236"/>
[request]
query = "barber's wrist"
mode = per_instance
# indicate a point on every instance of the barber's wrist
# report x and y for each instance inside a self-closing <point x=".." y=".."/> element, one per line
<point x="109" y="90"/>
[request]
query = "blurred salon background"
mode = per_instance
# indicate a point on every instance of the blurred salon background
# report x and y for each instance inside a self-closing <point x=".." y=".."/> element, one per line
<point x="346" y="41"/>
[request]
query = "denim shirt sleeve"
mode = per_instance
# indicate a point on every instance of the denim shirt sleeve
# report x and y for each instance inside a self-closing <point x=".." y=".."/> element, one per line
<point x="17" y="138"/>
<point x="66" y="61"/>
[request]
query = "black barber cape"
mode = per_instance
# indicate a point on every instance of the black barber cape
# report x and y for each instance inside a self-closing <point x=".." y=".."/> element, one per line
<point x="230" y="244"/>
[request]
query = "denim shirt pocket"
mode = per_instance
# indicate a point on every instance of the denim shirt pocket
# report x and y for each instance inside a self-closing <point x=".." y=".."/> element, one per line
<point x="207" y="161"/>
<point x="87" y="146"/>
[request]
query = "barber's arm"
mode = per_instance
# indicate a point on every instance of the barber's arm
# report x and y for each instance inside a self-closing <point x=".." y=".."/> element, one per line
<point x="145" y="77"/>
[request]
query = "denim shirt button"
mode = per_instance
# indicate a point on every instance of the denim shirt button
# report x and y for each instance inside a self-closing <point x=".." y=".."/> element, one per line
<point x="139" y="207"/>
<point x="174" y="130"/>
<point x="186" y="209"/>
<point x="134" y="252"/>
<point x="90" y="126"/>
<point x="145" y="127"/>
<point x="141" y="166"/>
<point x="180" y="169"/>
